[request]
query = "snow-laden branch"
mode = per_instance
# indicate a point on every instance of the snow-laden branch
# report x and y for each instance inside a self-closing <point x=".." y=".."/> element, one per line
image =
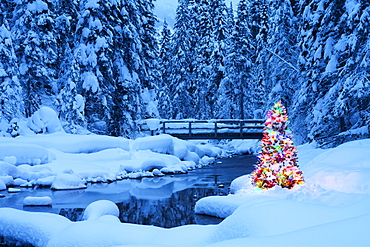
<point x="285" y="61"/>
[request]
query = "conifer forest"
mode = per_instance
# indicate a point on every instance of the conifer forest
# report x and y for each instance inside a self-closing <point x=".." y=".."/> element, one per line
<point x="105" y="66"/>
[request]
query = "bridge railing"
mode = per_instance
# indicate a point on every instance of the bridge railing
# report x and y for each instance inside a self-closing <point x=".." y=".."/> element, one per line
<point x="213" y="129"/>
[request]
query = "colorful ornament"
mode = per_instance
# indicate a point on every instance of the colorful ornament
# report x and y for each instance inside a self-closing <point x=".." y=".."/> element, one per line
<point x="277" y="161"/>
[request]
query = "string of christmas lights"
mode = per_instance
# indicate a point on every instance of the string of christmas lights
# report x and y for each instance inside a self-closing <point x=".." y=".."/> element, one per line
<point x="278" y="161"/>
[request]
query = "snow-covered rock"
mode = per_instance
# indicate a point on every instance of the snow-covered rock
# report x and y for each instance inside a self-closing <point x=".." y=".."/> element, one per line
<point x="100" y="208"/>
<point x="2" y="185"/>
<point x="67" y="182"/>
<point x="36" y="172"/>
<point x="14" y="190"/>
<point x="209" y="150"/>
<point x="7" y="169"/>
<point x="159" y="144"/>
<point x="192" y="156"/>
<point x="7" y="180"/>
<point x="19" y="182"/>
<point x="241" y="147"/>
<point x="37" y="201"/>
<point x="46" y="181"/>
<point x="10" y="159"/>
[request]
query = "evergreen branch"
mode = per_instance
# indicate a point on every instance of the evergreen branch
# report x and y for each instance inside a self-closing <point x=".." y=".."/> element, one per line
<point x="285" y="61"/>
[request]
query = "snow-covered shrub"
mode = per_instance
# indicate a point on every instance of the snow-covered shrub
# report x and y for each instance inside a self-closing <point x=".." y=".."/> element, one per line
<point x="45" y="120"/>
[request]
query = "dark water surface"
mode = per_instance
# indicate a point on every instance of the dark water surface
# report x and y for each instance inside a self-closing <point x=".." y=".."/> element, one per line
<point x="161" y="201"/>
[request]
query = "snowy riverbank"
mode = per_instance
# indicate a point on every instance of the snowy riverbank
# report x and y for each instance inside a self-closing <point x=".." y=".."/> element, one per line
<point x="65" y="161"/>
<point x="330" y="210"/>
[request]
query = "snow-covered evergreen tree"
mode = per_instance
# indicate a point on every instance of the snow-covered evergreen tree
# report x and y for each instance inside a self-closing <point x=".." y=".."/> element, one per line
<point x="93" y="50"/>
<point x="243" y="52"/>
<point x="229" y="94"/>
<point x="164" y="101"/>
<point x="327" y="53"/>
<point x="205" y="87"/>
<point x="36" y="50"/>
<point x="182" y="66"/>
<point x="69" y="104"/>
<point x="11" y="101"/>
<point x="149" y="72"/>
<point x="281" y="52"/>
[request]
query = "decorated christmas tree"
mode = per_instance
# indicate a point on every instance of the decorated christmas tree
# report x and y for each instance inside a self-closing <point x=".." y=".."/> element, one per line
<point x="277" y="161"/>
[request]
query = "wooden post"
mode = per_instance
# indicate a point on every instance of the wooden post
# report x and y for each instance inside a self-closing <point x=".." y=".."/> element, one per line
<point x="215" y="129"/>
<point x="241" y="128"/>
<point x="164" y="128"/>
<point x="189" y="129"/>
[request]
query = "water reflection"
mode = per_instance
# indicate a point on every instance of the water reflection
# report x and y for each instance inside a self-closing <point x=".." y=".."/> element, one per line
<point x="162" y="201"/>
<point x="177" y="210"/>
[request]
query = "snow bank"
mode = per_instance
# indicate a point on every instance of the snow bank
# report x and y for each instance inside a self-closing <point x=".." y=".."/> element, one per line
<point x="273" y="216"/>
<point x="69" y="143"/>
<point x="345" y="168"/>
<point x="37" y="159"/>
<point x="25" y="153"/>
<point x="348" y="232"/>
<point x="68" y="182"/>
<point x="28" y="227"/>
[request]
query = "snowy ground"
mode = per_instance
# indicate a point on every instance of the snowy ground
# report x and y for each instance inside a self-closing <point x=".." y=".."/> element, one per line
<point x="332" y="209"/>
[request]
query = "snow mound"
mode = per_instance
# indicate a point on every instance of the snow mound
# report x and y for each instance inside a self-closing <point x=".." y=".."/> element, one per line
<point x="32" y="228"/>
<point x="100" y="208"/>
<point x="26" y="153"/>
<point x="209" y="150"/>
<point x="68" y="182"/>
<point x="345" y="168"/>
<point x="45" y="120"/>
<point x="2" y="185"/>
<point x="159" y="144"/>
<point x="7" y="169"/>
<point x="10" y="159"/>
<point x="46" y="181"/>
<point x="241" y="147"/>
<point x="69" y="143"/>
<point x="346" y="233"/>
<point x="258" y="217"/>
<point x="37" y="201"/>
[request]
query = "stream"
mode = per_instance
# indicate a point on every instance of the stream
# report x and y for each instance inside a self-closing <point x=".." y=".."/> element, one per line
<point x="161" y="201"/>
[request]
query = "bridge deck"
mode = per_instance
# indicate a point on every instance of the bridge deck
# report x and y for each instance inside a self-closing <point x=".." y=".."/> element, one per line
<point x="213" y="129"/>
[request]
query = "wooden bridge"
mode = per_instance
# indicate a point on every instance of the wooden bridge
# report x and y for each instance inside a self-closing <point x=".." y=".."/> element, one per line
<point x="212" y="129"/>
